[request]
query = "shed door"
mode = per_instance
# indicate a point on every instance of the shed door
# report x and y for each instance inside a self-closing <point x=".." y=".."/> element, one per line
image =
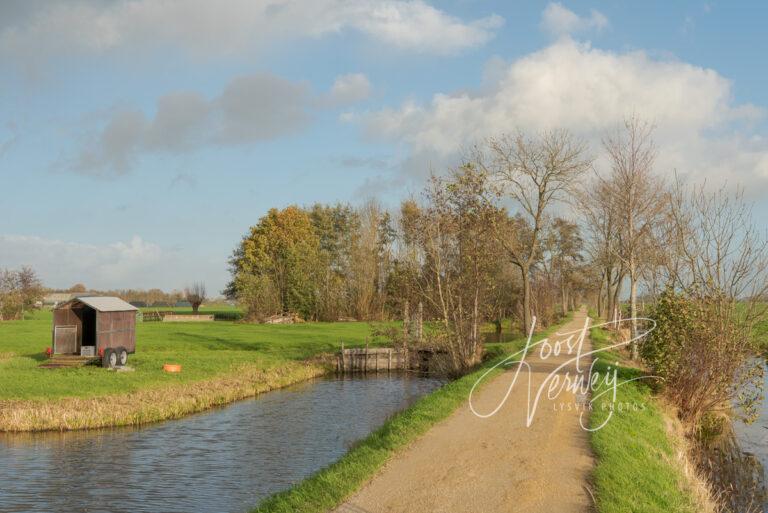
<point x="65" y="340"/>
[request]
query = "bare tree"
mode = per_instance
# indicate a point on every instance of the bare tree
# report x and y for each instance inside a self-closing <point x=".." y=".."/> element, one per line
<point x="195" y="294"/>
<point x="595" y="203"/>
<point x="718" y="280"/>
<point x="534" y="173"/>
<point x="637" y="198"/>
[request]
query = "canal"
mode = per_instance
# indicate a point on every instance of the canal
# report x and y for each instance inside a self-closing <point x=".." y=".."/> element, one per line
<point x="222" y="461"/>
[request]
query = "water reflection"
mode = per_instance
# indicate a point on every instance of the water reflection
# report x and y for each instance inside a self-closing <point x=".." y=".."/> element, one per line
<point x="225" y="460"/>
<point x="752" y="460"/>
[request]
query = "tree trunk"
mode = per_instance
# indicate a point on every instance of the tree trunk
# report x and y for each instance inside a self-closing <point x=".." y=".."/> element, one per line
<point x="564" y="297"/>
<point x="526" y="300"/>
<point x="616" y="295"/>
<point x="633" y="308"/>
<point x="600" y="300"/>
<point x="406" y="321"/>
<point x="608" y="294"/>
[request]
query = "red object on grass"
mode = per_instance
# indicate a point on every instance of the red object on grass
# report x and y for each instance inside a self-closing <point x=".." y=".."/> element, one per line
<point x="101" y="352"/>
<point x="48" y="352"/>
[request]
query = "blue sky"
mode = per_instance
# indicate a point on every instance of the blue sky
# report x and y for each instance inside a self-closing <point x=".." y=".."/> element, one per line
<point x="139" y="140"/>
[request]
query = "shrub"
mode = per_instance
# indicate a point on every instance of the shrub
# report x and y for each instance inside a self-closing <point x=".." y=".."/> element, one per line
<point x="703" y="348"/>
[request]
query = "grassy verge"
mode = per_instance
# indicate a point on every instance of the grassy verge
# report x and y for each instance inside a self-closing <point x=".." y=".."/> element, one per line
<point x="638" y="468"/>
<point x="331" y="486"/>
<point x="151" y="405"/>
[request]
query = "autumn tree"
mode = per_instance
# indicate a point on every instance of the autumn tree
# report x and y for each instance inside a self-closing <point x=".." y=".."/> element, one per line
<point x="275" y="267"/>
<point x="19" y="291"/>
<point x="454" y="230"/>
<point x="335" y="227"/>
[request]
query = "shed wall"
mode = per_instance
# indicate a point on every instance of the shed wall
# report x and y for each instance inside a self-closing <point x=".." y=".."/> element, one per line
<point x="116" y="329"/>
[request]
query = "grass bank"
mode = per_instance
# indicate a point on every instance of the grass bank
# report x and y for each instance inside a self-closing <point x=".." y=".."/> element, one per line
<point x="222" y="362"/>
<point x="640" y="457"/>
<point x="329" y="487"/>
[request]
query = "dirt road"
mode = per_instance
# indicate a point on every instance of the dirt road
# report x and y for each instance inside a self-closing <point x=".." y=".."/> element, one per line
<point x="495" y="464"/>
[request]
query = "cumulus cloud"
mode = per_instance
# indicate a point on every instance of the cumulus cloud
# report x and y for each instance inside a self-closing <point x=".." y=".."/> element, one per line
<point x="559" y="21"/>
<point x="250" y="109"/>
<point x="700" y="130"/>
<point x="32" y="31"/>
<point x="349" y="88"/>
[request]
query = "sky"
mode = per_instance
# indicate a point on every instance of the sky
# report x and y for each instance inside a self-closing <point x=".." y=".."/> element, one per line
<point x="140" y="139"/>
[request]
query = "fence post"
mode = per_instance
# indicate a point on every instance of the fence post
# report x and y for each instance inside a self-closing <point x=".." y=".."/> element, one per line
<point x="343" y="364"/>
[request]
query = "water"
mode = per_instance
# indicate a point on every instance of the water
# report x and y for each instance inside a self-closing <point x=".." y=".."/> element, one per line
<point x="222" y="461"/>
<point x="753" y="442"/>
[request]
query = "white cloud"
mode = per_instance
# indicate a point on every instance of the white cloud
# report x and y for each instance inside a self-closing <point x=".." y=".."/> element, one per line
<point x="560" y="21"/>
<point x="350" y="88"/>
<point x="700" y="130"/>
<point x="205" y="27"/>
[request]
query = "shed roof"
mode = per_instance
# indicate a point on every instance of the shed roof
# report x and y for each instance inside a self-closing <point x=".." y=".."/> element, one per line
<point x="106" y="304"/>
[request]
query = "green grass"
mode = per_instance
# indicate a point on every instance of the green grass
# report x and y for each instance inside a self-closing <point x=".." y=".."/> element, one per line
<point x="331" y="486"/>
<point x="636" y="470"/>
<point x="205" y="350"/>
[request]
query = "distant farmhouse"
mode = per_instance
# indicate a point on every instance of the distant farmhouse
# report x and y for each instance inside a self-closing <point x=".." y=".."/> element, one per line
<point x="54" y="299"/>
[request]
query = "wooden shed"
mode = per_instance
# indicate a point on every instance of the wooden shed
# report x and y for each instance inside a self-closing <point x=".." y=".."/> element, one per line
<point x="103" y="327"/>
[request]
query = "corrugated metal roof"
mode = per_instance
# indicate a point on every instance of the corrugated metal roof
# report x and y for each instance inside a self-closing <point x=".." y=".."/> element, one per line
<point x="107" y="304"/>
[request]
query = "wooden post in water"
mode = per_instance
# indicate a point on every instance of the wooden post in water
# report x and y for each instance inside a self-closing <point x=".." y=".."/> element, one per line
<point x="389" y="362"/>
<point x="420" y="321"/>
<point x="406" y="320"/>
<point x="406" y="332"/>
<point x="343" y="365"/>
<point x="366" y="355"/>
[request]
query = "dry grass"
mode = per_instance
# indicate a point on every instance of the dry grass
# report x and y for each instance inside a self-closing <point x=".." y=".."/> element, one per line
<point x="153" y="405"/>
<point x="6" y="356"/>
<point x="697" y="485"/>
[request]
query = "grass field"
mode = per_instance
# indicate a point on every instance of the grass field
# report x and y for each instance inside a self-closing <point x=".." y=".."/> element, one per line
<point x="205" y="350"/>
<point x="221" y="362"/>
<point x="636" y="469"/>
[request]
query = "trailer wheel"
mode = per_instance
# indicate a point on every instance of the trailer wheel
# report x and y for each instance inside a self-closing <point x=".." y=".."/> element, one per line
<point x="122" y="356"/>
<point x="109" y="360"/>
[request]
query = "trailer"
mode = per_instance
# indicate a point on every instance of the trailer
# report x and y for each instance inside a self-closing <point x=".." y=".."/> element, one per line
<point x="95" y="328"/>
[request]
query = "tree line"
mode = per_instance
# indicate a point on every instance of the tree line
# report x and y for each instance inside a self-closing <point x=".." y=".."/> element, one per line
<point x="525" y="227"/>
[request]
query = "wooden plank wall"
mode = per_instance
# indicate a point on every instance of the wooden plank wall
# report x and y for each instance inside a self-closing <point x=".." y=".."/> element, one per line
<point x="371" y="360"/>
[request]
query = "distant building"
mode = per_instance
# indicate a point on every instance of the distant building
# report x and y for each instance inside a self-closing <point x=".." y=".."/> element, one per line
<point x="56" y="298"/>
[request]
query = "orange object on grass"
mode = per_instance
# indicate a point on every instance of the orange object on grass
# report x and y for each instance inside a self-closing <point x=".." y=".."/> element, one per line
<point x="172" y="367"/>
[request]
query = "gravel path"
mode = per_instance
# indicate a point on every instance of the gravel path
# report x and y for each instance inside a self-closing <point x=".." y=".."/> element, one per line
<point x="494" y="464"/>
